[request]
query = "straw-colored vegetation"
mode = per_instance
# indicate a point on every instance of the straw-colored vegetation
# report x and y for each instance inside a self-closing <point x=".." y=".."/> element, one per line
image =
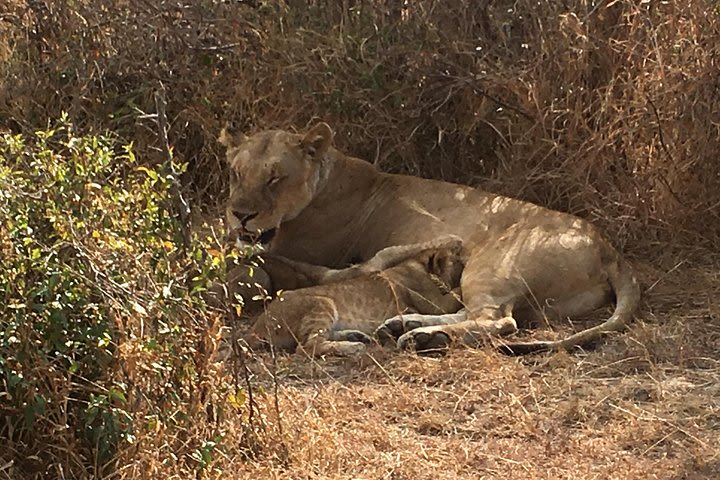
<point x="609" y="110"/>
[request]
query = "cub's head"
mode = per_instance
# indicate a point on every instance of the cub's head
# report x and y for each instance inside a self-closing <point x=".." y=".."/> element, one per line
<point x="445" y="262"/>
<point x="274" y="175"/>
<point x="448" y="266"/>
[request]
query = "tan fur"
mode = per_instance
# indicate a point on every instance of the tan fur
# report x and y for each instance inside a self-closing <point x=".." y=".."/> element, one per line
<point x="333" y="210"/>
<point x="250" y="281"/>
<point x="337" y="318"/>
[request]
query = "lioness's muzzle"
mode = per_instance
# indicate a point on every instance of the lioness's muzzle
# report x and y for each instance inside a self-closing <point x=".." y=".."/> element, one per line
<point x="244" y="217"/>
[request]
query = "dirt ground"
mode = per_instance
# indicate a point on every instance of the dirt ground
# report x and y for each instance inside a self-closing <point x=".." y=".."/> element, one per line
<point x="643" y="405"/>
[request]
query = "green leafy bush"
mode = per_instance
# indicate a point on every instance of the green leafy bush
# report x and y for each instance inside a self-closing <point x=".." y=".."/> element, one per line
<point x="93" y="263"/>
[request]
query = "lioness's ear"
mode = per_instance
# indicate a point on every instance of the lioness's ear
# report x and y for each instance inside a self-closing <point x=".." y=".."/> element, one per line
<point x="231" y="138"/>
<point x="318" y="139"/>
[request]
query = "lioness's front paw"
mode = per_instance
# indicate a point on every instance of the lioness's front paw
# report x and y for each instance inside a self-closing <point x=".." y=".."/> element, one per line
<point x="389" y="331"/>
<point x="393" y="328"/>
<point x="425" y="340"/>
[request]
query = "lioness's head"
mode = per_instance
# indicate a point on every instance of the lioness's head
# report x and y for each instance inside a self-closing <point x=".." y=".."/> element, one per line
<point x="274" y="175"/>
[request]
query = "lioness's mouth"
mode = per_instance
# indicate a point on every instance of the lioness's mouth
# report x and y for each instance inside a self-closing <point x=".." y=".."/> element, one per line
<point x="267" y="236"/>
<point x="246" y="237"/>
<point x="252" y="237"/>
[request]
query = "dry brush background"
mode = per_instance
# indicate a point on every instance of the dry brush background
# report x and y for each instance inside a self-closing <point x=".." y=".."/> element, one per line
<point x="606" y="109"/>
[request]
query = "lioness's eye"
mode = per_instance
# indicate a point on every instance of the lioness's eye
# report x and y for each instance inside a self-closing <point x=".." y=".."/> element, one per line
<point x="273" y="180"/>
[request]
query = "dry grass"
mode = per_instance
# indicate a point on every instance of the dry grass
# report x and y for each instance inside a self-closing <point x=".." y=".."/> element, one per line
<point x="474" y="415"/>
<point x="646" y="404"/>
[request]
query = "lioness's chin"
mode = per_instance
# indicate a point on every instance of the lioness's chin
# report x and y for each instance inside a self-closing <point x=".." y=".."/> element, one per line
<point x="247" y="241"/>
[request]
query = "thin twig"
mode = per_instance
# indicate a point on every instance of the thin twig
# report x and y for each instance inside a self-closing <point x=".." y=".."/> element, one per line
<point x="182" y="206"/>
<point x="217" y="48"/>
<point x="678" y="265"/>
<point x="661" y="136"/>
<point x="241" y="364"/>
<point x="284" y="452"/>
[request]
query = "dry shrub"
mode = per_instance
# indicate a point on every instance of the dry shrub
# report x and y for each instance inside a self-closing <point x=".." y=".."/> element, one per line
<point x="604" y="109"/>
<point x="107" y="350"/>
<point x="609" y="111"/>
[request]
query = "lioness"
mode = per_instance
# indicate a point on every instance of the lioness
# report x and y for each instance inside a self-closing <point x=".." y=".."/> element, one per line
<point x="338" y="318"/>
<point x="311" y="203"/>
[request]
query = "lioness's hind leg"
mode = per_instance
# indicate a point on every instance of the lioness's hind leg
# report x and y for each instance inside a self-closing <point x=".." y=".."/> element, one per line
<point x="470" y="332"/>
<point x="393" y="328"/>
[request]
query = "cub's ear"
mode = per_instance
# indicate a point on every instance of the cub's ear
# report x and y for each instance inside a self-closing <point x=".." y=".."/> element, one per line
<point x="230" y="137"/>
<point x="437" y="263"/>
<point x="317" y="140"/>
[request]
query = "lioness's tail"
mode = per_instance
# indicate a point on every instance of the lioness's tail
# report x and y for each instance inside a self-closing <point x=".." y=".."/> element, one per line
<point x="627" y="294"/>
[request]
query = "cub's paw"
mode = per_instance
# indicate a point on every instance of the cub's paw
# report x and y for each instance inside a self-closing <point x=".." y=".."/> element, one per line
<point x="332" y="349"/>
<point x="425" y="340"/>
<point x="351" y="336"/>
<point x="348" y="349"/>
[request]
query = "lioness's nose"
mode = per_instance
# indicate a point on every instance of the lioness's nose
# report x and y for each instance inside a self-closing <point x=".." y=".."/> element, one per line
<point x="244" y="217"/>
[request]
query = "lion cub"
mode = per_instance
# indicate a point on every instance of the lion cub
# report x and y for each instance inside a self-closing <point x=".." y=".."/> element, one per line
<point x="338" y="318"/>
